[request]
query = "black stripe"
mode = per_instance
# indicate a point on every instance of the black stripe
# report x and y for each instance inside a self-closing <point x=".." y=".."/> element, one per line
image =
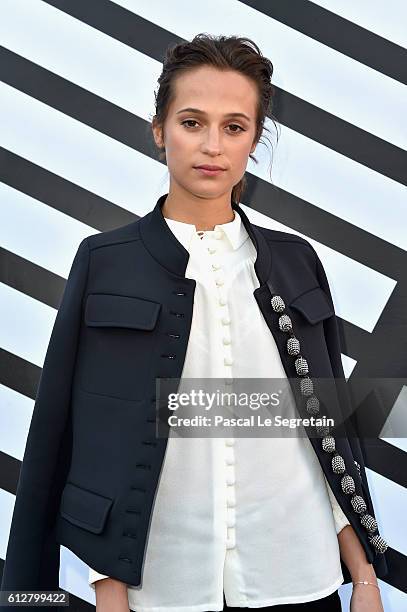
<point x="338" y="33"/>
<point x="30" y="279"/>
<point x="326" y="228"/>
<point x="18" y="374"/>
<point x="9" y="472"/>
<point x="397" y="565"/>
<point x="355" y="341"/>
<point x="386" y="459"/>
<point x="299" y="115"/>
<point x="61" y="194"/>
<point x="340" y="136"/>
<point x="384" y="363"/>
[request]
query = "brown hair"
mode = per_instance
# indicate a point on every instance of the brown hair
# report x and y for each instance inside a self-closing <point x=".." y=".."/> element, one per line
<point x="224" y="53"/>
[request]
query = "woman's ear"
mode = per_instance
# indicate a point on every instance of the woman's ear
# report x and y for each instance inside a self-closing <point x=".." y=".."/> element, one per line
<point x="157" y="134"/>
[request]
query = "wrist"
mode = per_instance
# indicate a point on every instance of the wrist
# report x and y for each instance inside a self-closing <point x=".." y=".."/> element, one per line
<point x="365" y="577"/>
<point x="364" y="571"/>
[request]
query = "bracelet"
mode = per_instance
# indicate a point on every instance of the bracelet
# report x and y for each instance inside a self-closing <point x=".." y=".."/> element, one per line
<point x="366" y="582"/>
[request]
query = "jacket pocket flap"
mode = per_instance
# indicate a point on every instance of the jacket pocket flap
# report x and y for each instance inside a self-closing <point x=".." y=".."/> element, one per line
<point x="111" y="310"/>
<point x="84" y="508"/>
<point x="314" y="305"/>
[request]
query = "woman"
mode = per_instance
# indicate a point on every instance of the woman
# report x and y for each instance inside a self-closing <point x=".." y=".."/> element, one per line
<point x="194" y="288"/>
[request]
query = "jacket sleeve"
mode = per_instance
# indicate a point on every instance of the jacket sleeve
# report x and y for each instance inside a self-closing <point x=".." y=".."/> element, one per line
<point x="346" y="400"/>
<point x="334" y="350"/>
<point x="32" y="556"/>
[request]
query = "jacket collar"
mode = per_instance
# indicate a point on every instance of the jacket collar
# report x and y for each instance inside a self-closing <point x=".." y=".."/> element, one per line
<point x="162" y="244"/>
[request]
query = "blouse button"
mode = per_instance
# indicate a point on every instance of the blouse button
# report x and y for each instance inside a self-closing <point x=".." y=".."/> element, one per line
<point x="230" y="460"/>
<point x="230" y="522"/>
<point x="231" y="501"/>
<point x="229" y="441"/>
<point x="216" y="266"/>
<point x="229" y="381"/>
<point x="220" y="282"/>
<point x="211" y="250"/>
<point x="223" y="301"/>
<point x="225" y="321"/>
<point x="228" y="361"/>
<point x="218" y="234"/>
<point x="226" y="340"/>
<point x="230" y="479"/>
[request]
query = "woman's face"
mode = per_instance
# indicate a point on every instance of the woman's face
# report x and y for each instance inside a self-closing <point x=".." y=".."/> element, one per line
<point x="212" y="133"/>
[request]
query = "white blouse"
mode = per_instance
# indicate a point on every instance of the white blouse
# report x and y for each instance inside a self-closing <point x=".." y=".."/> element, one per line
<point x="251" y="519"/>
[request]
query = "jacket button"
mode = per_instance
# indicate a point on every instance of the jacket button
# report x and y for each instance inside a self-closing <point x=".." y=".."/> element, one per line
<point x="347" y="484"/>
<point x="328" y="444"/>
<point x="306" y="386"/>
<point x="277" y="303"/>
<point x="322" y="430"/>
<point x="301" y="365"/>
<point x="369" y="522"/>
<point x="358" y="504"/>
<point x="313" y="405"/>
<point x="284" y="323"/>
<point x="379" y="543"/>
<point x="293" y="346"/>
<point x="338" y="464"/>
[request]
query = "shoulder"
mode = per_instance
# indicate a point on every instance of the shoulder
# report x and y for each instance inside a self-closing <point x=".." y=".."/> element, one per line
<point x="119" y="235"/>
<point x="288" y="245"/>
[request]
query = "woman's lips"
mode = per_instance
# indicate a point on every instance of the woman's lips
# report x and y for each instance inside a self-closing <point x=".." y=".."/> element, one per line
<point x="207" y="172"/>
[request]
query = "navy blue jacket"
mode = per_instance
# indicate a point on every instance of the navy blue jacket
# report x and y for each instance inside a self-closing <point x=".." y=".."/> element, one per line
<point x="92" y="461"/>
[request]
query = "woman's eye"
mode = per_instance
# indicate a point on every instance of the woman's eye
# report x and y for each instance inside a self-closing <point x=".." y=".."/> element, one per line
<point x="238" y="126"/>
<point x="188" y="121"/>
<point x="230" y="125"/>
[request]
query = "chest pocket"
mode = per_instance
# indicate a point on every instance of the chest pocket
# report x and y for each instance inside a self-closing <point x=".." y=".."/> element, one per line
<point x="308" y="312"/>
<point x="314" y="305"/>
<point x="120" y="335"/>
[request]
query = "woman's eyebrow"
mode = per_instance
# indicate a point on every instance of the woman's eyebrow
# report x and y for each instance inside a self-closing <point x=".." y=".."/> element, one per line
<point x="201" y="112"/>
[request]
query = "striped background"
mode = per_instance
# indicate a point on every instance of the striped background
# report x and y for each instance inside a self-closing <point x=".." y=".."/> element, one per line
<point x="77" y="157"/>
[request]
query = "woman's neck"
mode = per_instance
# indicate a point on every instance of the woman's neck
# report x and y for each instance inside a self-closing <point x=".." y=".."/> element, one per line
<point x="205" y="214"/>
